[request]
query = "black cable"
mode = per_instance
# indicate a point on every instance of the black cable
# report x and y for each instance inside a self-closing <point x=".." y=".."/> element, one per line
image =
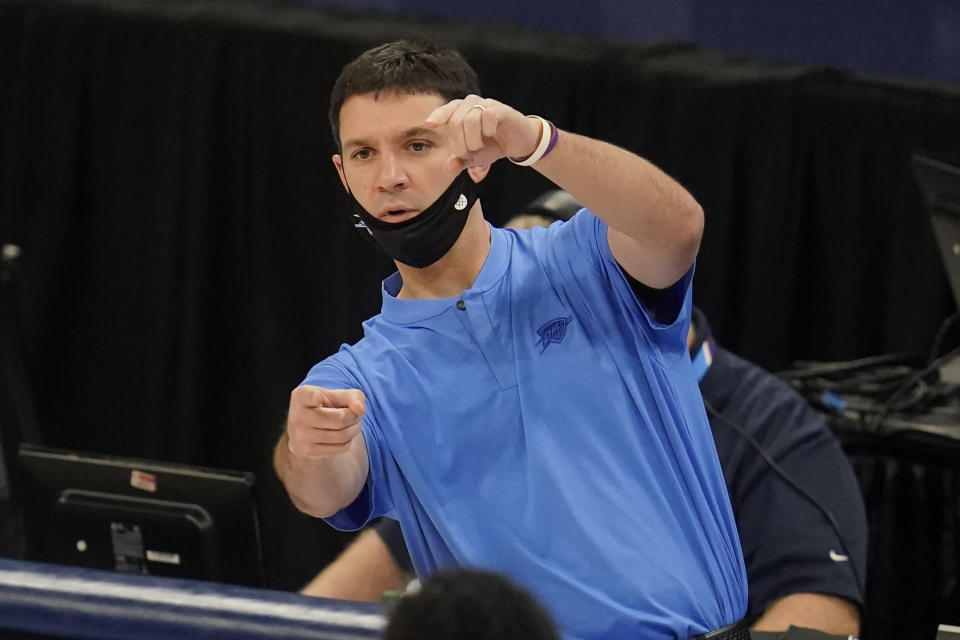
<point x="807" y="369"/>
<point x="941" y="333"/>
<point x="893" y="382"/>
<point x="880" y="382"/>
<point x="792" y="483"/>
<point x="877" y="376"/>
<point x="916" y="378"/>
<point x="878" y="392"/>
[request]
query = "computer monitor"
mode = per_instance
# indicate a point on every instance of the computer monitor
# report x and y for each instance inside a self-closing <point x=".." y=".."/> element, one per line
<point x="948" y="632"/>
<point x="939" y="184"/>
<point x="140" y="516"/>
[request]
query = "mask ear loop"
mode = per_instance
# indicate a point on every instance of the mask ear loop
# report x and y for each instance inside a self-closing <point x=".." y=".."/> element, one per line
<point x="358" y="222"/>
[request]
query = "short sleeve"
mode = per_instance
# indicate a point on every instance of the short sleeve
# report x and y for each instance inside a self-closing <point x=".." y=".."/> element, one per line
<point x="392" y="536"/>
<point x="580" y="253"/>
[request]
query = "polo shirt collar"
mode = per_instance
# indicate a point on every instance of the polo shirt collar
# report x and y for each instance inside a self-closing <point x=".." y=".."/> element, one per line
<point x="407" y="311"/>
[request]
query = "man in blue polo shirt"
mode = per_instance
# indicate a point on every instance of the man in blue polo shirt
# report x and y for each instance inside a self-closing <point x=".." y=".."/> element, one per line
<point x="802" y="572"/>
<point x="516" y="378"/>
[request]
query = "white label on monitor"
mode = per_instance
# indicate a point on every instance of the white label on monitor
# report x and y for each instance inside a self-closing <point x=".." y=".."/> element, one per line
<point x="141" y="480"/>
<point x="163" y="556"/>
<point x="947" y="632"/>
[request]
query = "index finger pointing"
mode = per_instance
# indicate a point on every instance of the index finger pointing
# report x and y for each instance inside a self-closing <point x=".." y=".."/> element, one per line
<point x="309" y="395"/>
<point x="357" y="405"/>
<point x="357" y="410"/>
<point x="346" y="398"/>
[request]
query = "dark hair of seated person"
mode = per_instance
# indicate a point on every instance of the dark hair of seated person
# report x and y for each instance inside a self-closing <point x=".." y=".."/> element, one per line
<point x="469" y="604"/>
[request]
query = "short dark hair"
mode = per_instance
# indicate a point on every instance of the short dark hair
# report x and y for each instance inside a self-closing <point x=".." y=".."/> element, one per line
<point x="404" y="65"/>
<point x="469" y="604"/>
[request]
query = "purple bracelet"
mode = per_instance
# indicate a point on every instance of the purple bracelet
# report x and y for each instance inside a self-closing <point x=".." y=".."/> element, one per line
<point x="544" y="146"/>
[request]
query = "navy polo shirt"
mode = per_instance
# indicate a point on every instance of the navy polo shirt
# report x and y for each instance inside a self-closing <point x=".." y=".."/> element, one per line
<point x="788" y="544"/>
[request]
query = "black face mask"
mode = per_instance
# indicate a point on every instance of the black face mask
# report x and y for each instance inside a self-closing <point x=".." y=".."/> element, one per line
<point x="428" y="236"/>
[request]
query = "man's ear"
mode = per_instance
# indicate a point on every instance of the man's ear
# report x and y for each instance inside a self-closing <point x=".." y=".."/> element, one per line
<point x="479" y="173"/>
<point x="338" y="163"/>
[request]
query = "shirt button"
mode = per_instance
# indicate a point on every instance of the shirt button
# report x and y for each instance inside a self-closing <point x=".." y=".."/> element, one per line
<point x="461" y="305"/>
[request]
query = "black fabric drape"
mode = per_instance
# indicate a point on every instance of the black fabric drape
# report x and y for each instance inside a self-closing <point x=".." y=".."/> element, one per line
<point x="816" y="243"/>
<point x="184" y="257"/>
<point x="187" y="255"/>
<point x="912" y="495"/>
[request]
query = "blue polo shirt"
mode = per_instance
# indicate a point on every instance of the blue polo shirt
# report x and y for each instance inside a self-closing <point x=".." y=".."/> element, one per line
<point x="544" y="425"/>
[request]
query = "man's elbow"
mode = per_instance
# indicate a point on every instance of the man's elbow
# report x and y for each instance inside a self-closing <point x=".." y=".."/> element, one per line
<point x="679" y="255"/>
<point x="321" y="497"/>
<point x="692" y="231"/>
<point x="687" y="239"/>
<point x="314" y="508"/>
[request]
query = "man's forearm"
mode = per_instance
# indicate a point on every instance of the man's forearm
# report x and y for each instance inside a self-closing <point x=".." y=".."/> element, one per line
<point x="322" y="487"/>
<point x="628" y="192"/>
<point x="632" y="196"/>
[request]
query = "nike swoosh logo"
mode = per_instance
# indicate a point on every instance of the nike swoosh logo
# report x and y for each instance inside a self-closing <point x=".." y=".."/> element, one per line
<point x="836" y="557"/>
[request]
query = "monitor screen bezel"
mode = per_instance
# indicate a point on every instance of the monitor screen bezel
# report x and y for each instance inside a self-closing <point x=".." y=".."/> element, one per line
<point x="46" y="477"/>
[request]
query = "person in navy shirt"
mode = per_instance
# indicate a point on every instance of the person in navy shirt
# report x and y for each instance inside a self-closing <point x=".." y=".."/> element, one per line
<point x="515" y="378"/>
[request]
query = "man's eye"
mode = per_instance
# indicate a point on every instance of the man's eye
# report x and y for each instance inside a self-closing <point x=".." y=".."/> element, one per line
<point x="361" y="154"/>
<point x="419" y="146"/>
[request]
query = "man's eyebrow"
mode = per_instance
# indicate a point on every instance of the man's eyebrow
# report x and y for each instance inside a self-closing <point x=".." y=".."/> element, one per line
<point x="412" y="132"/>
<point x="355" y="142"/>
<point x="418" y="132"/>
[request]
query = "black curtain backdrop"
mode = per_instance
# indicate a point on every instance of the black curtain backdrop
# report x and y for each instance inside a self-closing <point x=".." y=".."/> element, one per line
<point x="187" y="255"/>
<point x="911" y="489"/>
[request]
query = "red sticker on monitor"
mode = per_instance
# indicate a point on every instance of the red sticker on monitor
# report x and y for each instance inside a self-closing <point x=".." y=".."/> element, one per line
<point x="141" y="480"/>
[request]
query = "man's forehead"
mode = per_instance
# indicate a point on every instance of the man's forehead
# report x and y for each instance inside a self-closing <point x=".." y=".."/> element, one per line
<point x="386" y="115"/>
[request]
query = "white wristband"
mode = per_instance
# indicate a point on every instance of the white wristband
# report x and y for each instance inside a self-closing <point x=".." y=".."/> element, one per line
<point x="541" y="150"/>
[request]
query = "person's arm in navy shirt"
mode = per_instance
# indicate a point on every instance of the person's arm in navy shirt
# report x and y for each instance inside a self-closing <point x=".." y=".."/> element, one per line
<point x="366" y="569"/>
<point x="799" y="572"/>
<point x="828" y="614"/>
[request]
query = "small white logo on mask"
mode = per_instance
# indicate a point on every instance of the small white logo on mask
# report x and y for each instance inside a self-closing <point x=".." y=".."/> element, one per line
<point x="461" y="203"/>
<point x="360" y="224"/>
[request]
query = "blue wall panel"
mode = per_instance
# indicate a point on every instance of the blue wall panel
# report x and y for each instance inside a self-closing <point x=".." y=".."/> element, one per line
<point x="919" y="39"/>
